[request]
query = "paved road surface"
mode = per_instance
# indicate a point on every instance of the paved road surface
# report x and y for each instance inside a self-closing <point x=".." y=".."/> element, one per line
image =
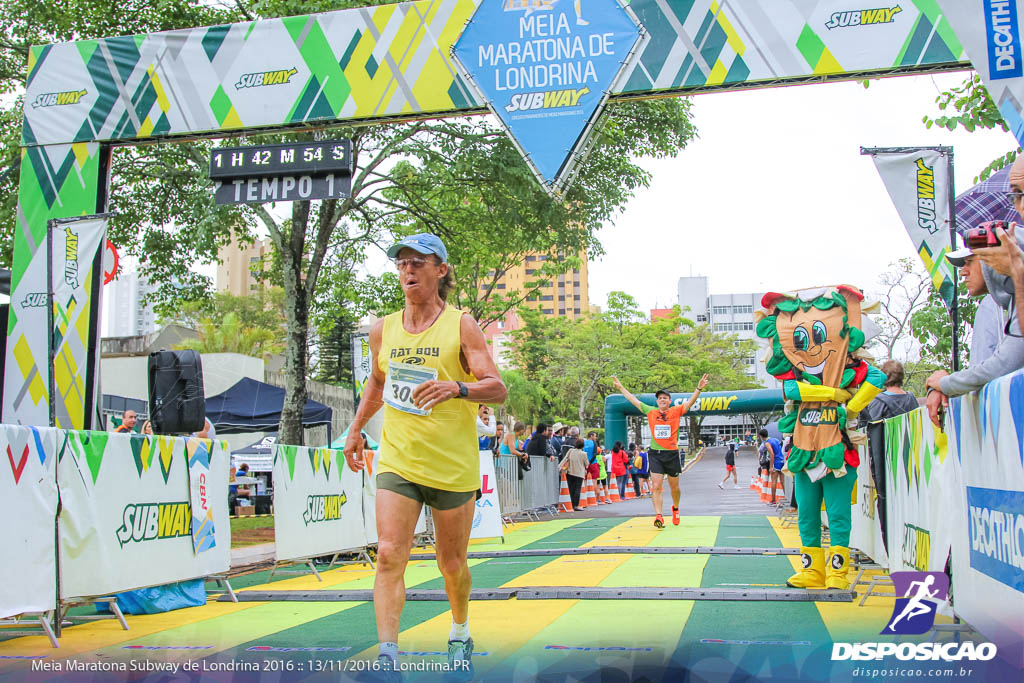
<point x="700" y="492"/>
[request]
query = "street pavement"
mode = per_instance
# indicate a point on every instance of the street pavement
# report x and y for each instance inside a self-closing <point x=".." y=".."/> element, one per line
<point x="700" y="492"/>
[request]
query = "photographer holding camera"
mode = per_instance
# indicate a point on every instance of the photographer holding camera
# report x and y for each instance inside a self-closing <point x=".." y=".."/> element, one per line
<point x="1003" y="271"/>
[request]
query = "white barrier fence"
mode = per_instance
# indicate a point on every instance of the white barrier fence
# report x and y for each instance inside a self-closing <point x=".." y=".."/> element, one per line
<point x="958" y="493"/>
<point x="318" y="503"/>
<point x="28" y="504"/>
<point x="126" y="519"/>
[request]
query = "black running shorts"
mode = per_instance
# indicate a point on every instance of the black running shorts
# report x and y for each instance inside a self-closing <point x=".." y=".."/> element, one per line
<point x="665" y="462"/>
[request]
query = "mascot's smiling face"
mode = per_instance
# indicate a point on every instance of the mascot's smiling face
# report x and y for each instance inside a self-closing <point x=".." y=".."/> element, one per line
<point x="812" y="332"/>
<point x="813" y="342"/>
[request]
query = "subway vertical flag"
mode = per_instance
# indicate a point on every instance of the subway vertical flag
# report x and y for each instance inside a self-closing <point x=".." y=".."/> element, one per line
<point x="918" y="183"/>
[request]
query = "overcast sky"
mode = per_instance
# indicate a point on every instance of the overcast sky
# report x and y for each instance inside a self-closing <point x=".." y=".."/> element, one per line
<point x="774" y="194"/>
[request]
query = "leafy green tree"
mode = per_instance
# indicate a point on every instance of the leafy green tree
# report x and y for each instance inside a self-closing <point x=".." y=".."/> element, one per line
<point x="931" y="327"/>
<point x="488" y="203"/>
<point x="229" y="335"/>
<point x="970" y="107"/>
<point x="526" y="399"/>
<point x="577" y="358"/>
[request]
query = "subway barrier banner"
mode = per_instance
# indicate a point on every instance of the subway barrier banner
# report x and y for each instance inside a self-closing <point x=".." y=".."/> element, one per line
<point x="991" y="34"/>
<point x="923" y="479"/>
<point x="986" y="434"/>
<point x="361" y="358"/>
<point x="28" y="504"/>
<point x="487" y="518"/>
<point x="866" y="527"/>
<point x="126" y="520"/>
<point x="318" y="503"/>
<point x="201" y="495"/>
<point x="918" y="183"/>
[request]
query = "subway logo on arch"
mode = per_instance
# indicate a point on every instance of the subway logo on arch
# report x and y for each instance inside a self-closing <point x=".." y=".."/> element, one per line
<point x="863" y="17"/>
<point x="551" y="99"/>
<point x="261" y="78"/>
<point x="57" y="99"/>
<point x="153" y="521"/>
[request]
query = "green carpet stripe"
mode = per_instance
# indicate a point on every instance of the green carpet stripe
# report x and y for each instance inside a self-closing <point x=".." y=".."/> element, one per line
<point x="518" y="538"/>
<point x="575" y="536"/>
<point x="751" y="621"/>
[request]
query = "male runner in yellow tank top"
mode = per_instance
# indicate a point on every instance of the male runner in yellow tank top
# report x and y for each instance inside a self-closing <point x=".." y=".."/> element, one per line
<point x="430" y="368"/>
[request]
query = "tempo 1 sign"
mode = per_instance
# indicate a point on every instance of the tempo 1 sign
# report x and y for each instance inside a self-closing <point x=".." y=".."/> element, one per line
<point x="282" y="173"/>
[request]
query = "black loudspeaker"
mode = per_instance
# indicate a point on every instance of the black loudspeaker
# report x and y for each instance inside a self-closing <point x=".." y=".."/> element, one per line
<point x="176" y="400"/>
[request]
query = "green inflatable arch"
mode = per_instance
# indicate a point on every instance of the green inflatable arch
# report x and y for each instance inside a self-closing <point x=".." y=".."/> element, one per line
<point x="617" y="408"/>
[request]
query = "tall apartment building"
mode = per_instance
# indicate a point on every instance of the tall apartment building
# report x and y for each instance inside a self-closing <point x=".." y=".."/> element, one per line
<point x="567" y="296"/>
<point x="126" y="314"/>
<point x="727" y="314"/>
<point x="238" y="265"/>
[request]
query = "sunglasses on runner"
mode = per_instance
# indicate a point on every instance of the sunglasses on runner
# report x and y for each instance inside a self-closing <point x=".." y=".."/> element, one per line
<point x="415" y="263"/>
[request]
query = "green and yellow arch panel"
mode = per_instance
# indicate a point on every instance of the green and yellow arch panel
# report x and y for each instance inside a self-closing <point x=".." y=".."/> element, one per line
<point x="368" y="64"/>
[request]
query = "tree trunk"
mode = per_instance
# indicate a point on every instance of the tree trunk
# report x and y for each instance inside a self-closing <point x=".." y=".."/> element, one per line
<point x="297" y="313"/>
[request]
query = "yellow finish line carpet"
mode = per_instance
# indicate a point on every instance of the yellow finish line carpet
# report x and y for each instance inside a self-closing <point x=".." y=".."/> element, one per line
<point x="515" y="639"/>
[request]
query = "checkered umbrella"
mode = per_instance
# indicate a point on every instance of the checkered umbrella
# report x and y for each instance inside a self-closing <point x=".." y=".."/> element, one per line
<point x="986" y="201"/>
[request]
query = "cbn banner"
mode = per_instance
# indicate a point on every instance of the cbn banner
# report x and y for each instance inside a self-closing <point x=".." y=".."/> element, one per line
<point x="318" y="503"/>
<point x="918" y="183"/>
<point x="923" y="479"/>
<point x="487" y="518"/>
<point x="866" y="527"/>
<point x="28" y="504"/>
<point x="991" y="35"/>
<point x="986" y="431"/>
<point x="126" y="521"/>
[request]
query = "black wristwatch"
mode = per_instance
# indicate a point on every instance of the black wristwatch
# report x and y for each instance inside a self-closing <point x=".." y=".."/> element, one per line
<point x="463" y="390"/>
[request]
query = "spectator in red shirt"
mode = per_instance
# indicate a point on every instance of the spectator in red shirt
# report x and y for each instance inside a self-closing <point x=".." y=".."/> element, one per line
<point x="620" y="467"/>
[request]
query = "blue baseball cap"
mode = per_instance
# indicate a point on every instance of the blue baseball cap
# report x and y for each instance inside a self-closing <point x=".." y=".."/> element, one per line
<point x="424" y="243"/>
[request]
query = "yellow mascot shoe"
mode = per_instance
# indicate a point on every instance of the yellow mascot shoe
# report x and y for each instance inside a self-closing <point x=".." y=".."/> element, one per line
<point x="838" y="567"/>
<point x="813" y="573"/>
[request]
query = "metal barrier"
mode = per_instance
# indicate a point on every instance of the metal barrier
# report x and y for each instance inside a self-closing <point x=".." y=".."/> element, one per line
<point x="506" y="473"/>
<point x="536" y="492"/>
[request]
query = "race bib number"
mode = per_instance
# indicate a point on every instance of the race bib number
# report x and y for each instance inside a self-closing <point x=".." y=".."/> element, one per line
<point x="662" y="431"/>
<point x="402" y="379"/>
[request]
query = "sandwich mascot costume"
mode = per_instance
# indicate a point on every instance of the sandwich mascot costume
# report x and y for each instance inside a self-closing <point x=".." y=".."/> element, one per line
<point x="816" y="341"/>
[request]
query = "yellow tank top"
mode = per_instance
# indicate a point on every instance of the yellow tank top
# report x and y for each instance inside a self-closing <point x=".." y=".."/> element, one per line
<point x="437" y="450"/>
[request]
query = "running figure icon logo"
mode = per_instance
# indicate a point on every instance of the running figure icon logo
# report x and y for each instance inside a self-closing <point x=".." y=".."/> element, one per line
<point x="914" y="613"/>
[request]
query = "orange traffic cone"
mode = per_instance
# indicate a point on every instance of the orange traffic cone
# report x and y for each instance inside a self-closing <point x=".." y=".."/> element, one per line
<point x="766" y="491"/>
<point x="630" y="494"/>
<point x="613" y="487"/>
<point x="779" y="490"/>
<point x="583" y="493"/>
<point x="564" y="501"/>
<point x="591" y="494"/>
<point x="755" y="485"/>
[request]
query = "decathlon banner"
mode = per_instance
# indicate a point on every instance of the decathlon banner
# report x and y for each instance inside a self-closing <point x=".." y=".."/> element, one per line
<point x="318" y="506"/>
<point x="986" y="433"/>
<point x="918" y="183"/>
<point x="361" y="358"/>
<point x="76" y="267"/>
<point x="28" y="504"/>
<point x="487" y="518"/>
<point x="204" y="500"/>
<point x="126" y="521"/>
<point x="922" y="482"/>
<point x="866" y="527"/>
<point x="991" y="34"/>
